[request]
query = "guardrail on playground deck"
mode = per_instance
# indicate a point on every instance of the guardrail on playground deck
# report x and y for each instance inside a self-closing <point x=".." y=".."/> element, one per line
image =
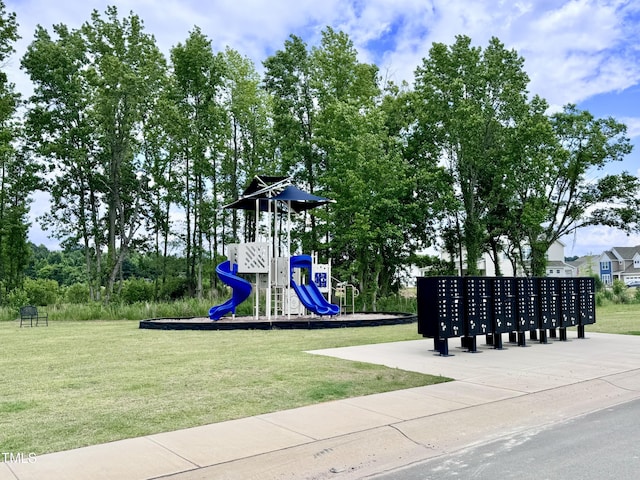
<point x="341" y="291"/>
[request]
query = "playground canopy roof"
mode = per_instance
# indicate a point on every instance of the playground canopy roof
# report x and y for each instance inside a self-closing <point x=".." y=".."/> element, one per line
<point x="299" y="199"/>
<point x="264" y="189"/>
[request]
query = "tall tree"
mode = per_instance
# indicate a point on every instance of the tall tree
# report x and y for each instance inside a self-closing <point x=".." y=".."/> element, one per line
<point x="562" y="196"/>
<point x="294" y="110"/>
<point x="127" y="69"/>
<point x="468" y="102"/>
<point x="287" y="79"/>
<point x="246" y="104"/>
<point x="162" y="192"/>
<point x="61" y="128"/>
<point x="17" y="172"/>
<point x="198" y="141"/>
<point x="373" y="227"/>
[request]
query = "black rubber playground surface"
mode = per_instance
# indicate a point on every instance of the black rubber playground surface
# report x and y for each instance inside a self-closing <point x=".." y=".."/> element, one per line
<point x="280" y="322"/>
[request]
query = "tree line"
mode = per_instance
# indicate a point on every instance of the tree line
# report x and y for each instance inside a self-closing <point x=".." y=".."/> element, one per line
<point x="139" y="152"/>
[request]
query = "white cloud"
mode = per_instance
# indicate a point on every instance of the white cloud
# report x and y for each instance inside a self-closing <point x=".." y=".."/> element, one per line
<point x="597" y="239"/>
<point x="573" y="49"/>
<point x="633" y="126"/>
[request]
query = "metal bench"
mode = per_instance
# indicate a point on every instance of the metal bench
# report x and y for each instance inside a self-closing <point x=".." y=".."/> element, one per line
<point x="29" y="313"/>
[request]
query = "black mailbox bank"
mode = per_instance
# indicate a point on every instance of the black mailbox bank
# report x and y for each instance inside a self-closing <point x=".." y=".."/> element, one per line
<point x="466" y="307"/>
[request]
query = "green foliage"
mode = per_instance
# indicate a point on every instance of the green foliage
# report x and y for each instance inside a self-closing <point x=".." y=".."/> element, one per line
<point x="136" y="290"/>
<point x="18" y="171"/>
<point x="174" y="288"/>
<point x="618" y="287"/>
<point x="77" y="293"/>
<point x="598" y="283"/>
<point x="471" y="101"/>
<point x="468" y="158"/>
<point x="15" y="299"/>
<point x="618" y="293"/>
<point x="41" y="291"/>
<point x="398" y="303"/>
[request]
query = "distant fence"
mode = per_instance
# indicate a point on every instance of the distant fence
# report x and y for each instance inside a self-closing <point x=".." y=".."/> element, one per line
<point x="470" y="306"/>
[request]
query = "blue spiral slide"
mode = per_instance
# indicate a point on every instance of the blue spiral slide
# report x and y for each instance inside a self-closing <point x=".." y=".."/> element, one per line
<point x="240" y="287"/>
<point x="309" y="294"/>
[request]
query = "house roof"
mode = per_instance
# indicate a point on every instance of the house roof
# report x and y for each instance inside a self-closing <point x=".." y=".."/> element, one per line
<point x="586" y="259"/>
<point x="558" y="264"/>
<point x="627" y="253"/>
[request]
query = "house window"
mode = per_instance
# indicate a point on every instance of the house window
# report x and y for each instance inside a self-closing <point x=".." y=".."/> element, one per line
<point x="558" y="271"/>
<point x="636" y="262"/>
<point x="604" y="265"/>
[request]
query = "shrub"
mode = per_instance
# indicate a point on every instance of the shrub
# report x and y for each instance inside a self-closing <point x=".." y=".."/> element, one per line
<point x="599" y="285"/>
<point x="16" y="299"/>
<point x="77" y="293"/>
<point x="619" y="288"/>
<point x="136" y="290"/>
<point x="41" y="292"/>
<point x="174" y="288"/>
<point x="397" y="303"/>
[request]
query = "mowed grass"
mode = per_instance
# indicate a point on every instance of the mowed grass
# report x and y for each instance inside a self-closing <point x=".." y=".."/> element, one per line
<point x="74" y="384"/>
<point x="617" y="318"/>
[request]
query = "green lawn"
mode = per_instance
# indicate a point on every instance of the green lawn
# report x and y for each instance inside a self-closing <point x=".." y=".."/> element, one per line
<point x="621" y="318"/>
<point x="80" y="383"/>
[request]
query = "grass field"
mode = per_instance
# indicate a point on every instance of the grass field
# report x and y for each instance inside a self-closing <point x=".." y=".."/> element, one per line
<point x="86" y="382"/>
<point x="617" y="318"/>
<point x="80" y="383"/>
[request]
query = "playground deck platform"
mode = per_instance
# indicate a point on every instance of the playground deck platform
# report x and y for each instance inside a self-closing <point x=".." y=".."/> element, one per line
<point x="280" y="322"/>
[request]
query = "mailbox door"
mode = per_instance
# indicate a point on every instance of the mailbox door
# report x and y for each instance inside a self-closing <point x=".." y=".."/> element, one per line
<point x="586" y="290"/>
<point x="504" y="304"/>
<point x="440" y="311"/>
<point x="568" y="302"/>
<point x="549" y="308"/>
<point x="527" y="302"/>
<point x="478" y="306"/>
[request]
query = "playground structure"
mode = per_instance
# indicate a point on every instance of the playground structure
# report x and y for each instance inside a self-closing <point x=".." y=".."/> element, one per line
<point x="292" y="285"/>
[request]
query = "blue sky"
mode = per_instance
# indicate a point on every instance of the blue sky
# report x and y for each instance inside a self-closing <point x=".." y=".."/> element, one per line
<point x="576" y="51"/>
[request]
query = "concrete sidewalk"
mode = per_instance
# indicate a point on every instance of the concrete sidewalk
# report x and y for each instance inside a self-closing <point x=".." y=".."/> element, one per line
<point x="497" y="393"/>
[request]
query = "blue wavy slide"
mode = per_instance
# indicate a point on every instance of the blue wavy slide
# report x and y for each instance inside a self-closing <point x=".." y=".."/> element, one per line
<point x="309" y="294"/>
<point x="241" y="289"/>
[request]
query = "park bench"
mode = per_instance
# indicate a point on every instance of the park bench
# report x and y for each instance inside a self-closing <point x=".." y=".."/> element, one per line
<point x="29" y="313"/>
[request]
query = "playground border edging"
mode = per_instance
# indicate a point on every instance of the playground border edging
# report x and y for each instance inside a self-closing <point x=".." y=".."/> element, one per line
<point x="302" y="323"/>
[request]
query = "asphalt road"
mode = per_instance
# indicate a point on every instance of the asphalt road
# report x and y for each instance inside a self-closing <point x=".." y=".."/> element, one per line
<point x="601" y="445"/>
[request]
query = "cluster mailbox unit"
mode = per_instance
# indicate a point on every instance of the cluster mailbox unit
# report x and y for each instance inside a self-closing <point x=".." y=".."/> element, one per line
<point x="470" y="306"/>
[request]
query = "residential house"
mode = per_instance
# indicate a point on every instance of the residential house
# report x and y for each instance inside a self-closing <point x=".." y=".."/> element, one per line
<point x="586" y="266"/>
<point x="556" y="266"/>
<point x="620" y="263"/>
